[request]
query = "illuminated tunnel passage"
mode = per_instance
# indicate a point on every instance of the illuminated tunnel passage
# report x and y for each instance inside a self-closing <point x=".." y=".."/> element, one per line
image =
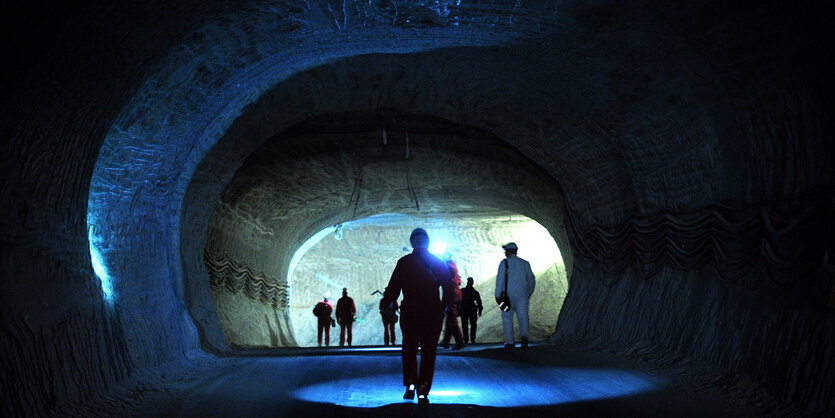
<point x="361" y="255"/>
<point x="544" y="380"/>
<point x="330" y="203"/>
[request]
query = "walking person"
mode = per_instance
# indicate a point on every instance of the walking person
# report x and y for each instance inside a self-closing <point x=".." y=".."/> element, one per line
<point x="516" y="280"/>
<point x="323" y="310"/>
<point x="451" y="327"/>
<point x="346" y="311"/>
<point x="388" y="313"/>
<point x="419" y="275"/>
<point x="471" y="309"/>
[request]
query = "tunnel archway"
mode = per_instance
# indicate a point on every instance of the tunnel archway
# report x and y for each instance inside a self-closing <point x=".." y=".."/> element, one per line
<point x="126" y="122"/>
<point x="343" y="167"/>
<point x="172" y="149"/>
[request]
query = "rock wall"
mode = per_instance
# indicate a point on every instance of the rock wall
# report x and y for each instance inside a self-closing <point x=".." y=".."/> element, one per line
<point x="123" y="123"/>
<point x="755" y="299"/>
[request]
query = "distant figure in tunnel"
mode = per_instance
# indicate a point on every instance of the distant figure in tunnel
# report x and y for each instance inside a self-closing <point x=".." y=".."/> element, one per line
<point x="471" y="309"/>
<point x="517" y="280"/>
<point x="346" y="310"/>
<point x="388" y="313"/>
<point x="323" y="311"/>
<point x="419" y="275"/>
<point x="452" y="328"/>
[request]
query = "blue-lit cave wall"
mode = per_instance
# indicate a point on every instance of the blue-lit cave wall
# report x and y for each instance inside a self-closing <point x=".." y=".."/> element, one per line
<point x="682" y="135"/>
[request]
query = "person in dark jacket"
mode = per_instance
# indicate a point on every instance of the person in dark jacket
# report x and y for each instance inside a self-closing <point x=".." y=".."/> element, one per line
<point x="323" y="311"/>
<point x="388" y="313"/>
<point x="346" y="310"/>
<point x="471" y="309"/>
<point x="419" y="275"/>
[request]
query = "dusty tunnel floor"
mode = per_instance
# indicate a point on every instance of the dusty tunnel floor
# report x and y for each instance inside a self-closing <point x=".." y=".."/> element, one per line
<point x="479" y="381"/>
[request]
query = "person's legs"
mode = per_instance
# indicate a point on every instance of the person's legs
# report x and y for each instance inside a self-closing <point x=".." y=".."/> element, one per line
<point x="447" y="333"/>
<point x="473" y="326"/>
<point x="455" y="329"/>
<point x="522" y="317"/>
<point x="327" y="327"/>
<point x="342" y="334"/>
<point x="408" y="355"/>
<point x="428" y="351"/>
<point x="319" y="333"/>
<point x="386" y="332"/>
<point x="350" y="325"/>
<point x="507" y="324"/>
<point x="391" y="331"/>
<point x="465" y="328"/>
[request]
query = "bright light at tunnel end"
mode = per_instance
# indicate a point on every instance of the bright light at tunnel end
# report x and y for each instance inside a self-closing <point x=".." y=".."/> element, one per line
<point x="437" y="248"/>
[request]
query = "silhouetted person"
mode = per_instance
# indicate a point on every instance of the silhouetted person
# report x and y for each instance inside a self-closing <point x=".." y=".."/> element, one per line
<point x="388" y="312"/>
<point x="346" y="310"/>
<point x="516" y="276"/>
<point x="471" y="309"/>
<point x="419" y="275"/>
<point x="452" y="329"/>
<point x="323" y="310"/>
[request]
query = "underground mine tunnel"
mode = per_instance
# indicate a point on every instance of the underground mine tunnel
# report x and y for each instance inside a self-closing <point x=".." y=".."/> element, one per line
<point x="183" y="180"/>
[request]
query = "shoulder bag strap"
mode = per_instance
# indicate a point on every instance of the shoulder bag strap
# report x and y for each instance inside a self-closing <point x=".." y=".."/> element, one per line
<point x="506" y="267"/>
<point x="425" y="264"/>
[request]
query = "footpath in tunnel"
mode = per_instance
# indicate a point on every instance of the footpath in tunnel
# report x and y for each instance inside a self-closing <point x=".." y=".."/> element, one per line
<point x="479" y="381"/>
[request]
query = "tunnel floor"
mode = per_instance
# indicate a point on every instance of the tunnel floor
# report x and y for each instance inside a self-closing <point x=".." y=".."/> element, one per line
<point x="479" y="381"/>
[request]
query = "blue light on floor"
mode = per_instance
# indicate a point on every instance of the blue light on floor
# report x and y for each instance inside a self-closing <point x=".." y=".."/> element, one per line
<point x="493" y="383"/>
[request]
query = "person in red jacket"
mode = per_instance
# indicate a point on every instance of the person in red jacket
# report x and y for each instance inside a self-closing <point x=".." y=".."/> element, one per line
<point x="323" y="310"/>
<point x="345" y="312"/>
<point x="419" y="275"/>
<point x="452" y="328"/>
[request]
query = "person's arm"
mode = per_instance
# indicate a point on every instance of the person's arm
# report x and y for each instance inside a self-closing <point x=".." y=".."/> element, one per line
<point x="394" y="287"/>
<point x="478" y="301"/>
<point x="531" y="279"/>
<point x="444" y="276"/>
<point x="500" y="279"/>
<point x="353" y="308"/>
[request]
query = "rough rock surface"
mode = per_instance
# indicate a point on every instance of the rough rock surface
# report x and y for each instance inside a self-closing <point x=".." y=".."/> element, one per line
<point x="124" y="123"/>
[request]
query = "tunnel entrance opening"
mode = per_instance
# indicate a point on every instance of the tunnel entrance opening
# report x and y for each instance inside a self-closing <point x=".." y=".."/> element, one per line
<point x="347" y="168"/>
<point x="360" y="256"/>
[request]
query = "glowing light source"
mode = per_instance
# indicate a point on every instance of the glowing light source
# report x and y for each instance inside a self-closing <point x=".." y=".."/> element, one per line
<point x="100" y="270"/>
<point x="534" y="386"/>
<point x="437" y="248"/>
<point x="447" y="393"/>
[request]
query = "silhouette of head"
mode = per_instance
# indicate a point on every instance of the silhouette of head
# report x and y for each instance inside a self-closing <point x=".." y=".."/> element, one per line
<point x="469" y="281"/>
<point x="419" y="238"/>
<point x="510" y="248"/>
<point x="344" y="291"/>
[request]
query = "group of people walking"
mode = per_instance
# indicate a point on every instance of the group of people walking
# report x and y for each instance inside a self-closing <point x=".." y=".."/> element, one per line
<point x="346" y="313"/>
<point x="423" y="310"/>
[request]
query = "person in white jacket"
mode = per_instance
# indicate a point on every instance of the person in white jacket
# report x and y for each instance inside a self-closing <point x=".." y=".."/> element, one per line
<point x="520" y="286"/>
